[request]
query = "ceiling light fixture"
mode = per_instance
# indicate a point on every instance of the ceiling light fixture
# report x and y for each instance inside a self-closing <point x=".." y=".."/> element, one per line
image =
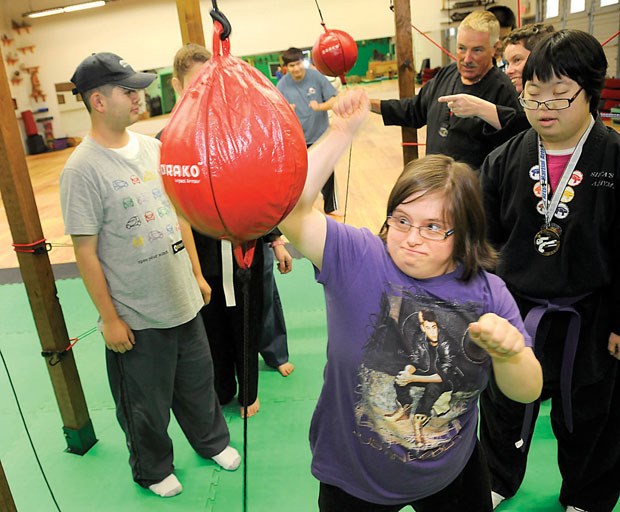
<point x="61" y="10"/>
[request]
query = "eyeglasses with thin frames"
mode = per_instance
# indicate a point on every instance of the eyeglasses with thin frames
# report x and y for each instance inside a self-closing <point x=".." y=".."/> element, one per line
<point x="558" y="104"/>
<point x="428" y="232"/>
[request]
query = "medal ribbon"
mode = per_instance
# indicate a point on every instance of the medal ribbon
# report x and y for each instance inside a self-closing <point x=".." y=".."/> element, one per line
<point x="549" y="207"/>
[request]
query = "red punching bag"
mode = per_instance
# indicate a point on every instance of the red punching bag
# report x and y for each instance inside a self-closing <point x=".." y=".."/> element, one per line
<point x="233" y="159"/>
<point x="334" y="53"/>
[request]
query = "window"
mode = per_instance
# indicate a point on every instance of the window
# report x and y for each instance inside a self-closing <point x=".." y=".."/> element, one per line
<point x="605" y="3"/>
<point x="577" y="6"/>
<point x="553" y="9"/>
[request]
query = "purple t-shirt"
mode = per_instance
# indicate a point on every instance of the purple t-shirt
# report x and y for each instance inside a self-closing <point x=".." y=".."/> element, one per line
<point x="364" y="435"/>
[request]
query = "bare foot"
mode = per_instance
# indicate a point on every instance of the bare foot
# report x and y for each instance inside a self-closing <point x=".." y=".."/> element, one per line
<point x="252" y="409"/>
<point x="286" y="369"/>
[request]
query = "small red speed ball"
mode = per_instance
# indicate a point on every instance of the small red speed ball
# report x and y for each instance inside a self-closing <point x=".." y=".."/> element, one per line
<point x="334" y="53"/>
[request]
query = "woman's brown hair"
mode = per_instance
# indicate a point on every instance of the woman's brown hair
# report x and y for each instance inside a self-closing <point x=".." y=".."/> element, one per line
<point x="463" y="207"/>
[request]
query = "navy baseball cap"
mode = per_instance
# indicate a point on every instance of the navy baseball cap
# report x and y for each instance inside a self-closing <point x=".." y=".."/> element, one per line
<point x="107" y="68"/>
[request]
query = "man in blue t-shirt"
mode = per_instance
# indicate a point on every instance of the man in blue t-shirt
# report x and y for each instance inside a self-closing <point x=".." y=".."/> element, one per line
<point x="311" y="95"/>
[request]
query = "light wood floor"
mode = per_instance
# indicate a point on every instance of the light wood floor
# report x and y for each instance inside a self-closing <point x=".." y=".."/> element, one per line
<point x="376" y="161"/>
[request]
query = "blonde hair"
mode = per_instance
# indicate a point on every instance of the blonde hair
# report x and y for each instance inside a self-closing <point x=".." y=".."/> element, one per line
<point x="482" y="21"/>
<point x="186" y="57"/>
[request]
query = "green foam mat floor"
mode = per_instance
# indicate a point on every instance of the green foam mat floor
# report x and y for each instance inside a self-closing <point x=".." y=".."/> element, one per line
<point x="278" y="469"/>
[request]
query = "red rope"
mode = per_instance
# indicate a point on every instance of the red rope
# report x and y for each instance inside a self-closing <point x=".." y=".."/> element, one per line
<point x="413" y="144"/>
<point x="29" y="248"/>
<point x="74" y="340"/>
<point x="436" y="44"/>
<point x="55" y="357"/>
<point x="79" y="337"/>
<point x="612" y="37"/>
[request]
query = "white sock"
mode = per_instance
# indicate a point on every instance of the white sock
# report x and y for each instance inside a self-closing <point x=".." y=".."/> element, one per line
<point x="168" y="487"/>
<point x="570" y="508"/>
<point x="228" y="458"/>
<point x="497" y="499"/>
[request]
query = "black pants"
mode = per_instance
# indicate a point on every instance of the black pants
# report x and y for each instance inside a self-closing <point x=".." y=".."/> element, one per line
<point x="589" y="457"/>
<point x="225" y="331"/>
<point x="330" y="197"/>
<point x="432" y="391"/>
<point x="273" y="345"/>
<point x="166" y="369"/>
<point x="469" y="492"/>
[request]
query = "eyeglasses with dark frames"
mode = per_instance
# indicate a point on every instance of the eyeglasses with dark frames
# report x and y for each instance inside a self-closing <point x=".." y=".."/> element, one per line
<point x="430" y="232"/>
<point x="558" y="104"/>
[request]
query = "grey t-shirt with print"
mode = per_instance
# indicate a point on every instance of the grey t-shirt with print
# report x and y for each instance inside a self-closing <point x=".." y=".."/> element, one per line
<point x="123" y="202"/>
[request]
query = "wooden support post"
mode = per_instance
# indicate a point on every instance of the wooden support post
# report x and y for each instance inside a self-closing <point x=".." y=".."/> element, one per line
<point x="36" y="271"/>
<point x="406" y="69"/>
<point x="6" y="498"/>
<point x="190" y="21"/>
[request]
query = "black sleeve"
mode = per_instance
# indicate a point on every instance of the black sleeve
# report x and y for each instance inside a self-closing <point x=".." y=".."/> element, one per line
<point x="274" y="234"/>
<point x="615" y="283"/>
<point x="491" y="196"/>
<point x="512" y="120"/>
<point x="405" y="112"/>
<point x="446" y="364"/>
<point x="410" y="112"/>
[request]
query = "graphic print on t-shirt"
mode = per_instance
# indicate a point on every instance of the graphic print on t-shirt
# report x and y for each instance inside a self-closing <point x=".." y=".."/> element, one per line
<point x="154" y="230"/>
<point x="420" y="374"/>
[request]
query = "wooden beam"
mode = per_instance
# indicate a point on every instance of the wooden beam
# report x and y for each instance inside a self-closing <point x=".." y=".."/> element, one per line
<point x="6" y="498"/>
<point x="36" y="271"/>
<point x="406" y="69"/>
<point x="190" y="21"/>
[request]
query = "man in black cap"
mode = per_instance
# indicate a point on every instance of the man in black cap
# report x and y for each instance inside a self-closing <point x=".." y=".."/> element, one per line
<point x="108" y="69"/>
<point x="148" y="290"/>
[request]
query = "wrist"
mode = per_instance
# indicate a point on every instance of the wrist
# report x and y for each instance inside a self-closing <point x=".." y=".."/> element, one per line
<point x="108" y="319"/>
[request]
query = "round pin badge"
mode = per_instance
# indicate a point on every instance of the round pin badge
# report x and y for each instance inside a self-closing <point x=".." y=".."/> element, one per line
<point x="562" y="211"/>
<point x="568" y="194"/>
<point x="576" y="178"/>
<point x="537" y="189"/>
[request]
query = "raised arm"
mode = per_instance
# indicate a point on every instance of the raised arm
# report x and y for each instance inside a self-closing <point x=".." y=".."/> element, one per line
<point x="305" y="226"/>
